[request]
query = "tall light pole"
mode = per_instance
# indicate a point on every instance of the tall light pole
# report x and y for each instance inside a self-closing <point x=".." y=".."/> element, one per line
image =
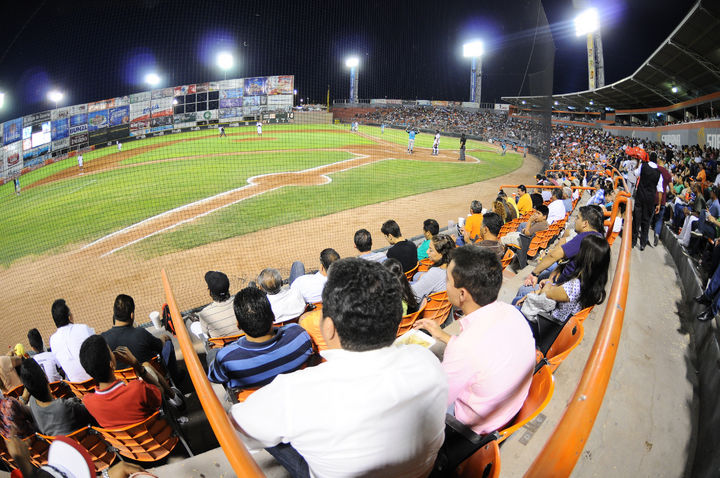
<point x="2" y="99"/>
<point x="225" y="61"/>
<point x="353" y="63"/>
<point x="588" y="24"/>
<point x="152" y="79"/>
<point x="475" y="50"/>
<point x="55" y="96"/>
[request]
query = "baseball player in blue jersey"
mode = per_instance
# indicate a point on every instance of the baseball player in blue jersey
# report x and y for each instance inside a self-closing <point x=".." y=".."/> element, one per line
<point x="411" y="139"/>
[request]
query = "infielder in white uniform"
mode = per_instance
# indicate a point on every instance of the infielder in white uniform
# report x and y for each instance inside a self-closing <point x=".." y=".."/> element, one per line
<point x="259" y="128"/>
<point x="80" y="163"/>
<point x="436" y="143"/>
<point x="119" y="145"/>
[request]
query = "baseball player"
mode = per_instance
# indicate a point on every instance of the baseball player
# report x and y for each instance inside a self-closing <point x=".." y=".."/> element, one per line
<point x="17" y="185"/>
<point x="119" y="145"/>
<point x="259" y="128"/>
<point x="436" y="143"/>
<point x="80" y="162"/>
<point x="411" y="139"/>
<point x="222" y="131"/>
<point x="382" y="128"/>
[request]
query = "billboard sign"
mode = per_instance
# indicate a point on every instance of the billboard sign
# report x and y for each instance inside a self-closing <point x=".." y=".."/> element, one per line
<point x="202" y="87"/>
<point x="119" y="116"/>
<point x="78" y="110"/>
<point x="100" y="105"/>
<point x="231" y="93"/>
<point x="231" y="102"/>
<point x="78" y="124"/>
<point x="60" y="129"/>
<point x="60" y="113"/>
<point x="185" y="120"/>
<point x="79" y="139"/>
<point x="280" y="100"/>
<point x="140" y="111"/>
<point x="163" y="93"/>
<point x="13" y="159"/>
<point x="12" y="131"/>
<point x="502" y="107"/>
<point x="140" y="97"/>
<point x="97" y="120"/>
<point x="230" y="113"/>
<point x="61" y="144"/>
<point x="255" y="86"/>
<point x="162" y="107"/>
<point x="36" y="118"/>
<point x="279" y="85"/>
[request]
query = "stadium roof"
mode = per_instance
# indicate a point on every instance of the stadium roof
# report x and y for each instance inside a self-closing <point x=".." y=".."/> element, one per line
<point x="688" y="59"/>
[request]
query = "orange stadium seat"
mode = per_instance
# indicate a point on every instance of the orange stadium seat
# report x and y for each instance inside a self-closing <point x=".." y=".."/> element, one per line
<point x="437" y="307"/>
<point x="583" y="314"/>
<point x="424" y="265"/>
<point x="61" y="389"/>
<point x="411" y="273"/>
<point x="82" y="388"/>
<point x="150" y="440"/>
<point x="219" y="342"/>
<point x="128" y="374"/>
<point x="38" y="448"/>
<point x="484" y="463"/>
<point x="15" y="392"/>
<point x="101" y="455"/>
<point x="507" y="258"/>
<point x="541" y="390"/>
<point x="570" y="337"/>
<point x="408" y="320"/>
<point x="5" y="457"/>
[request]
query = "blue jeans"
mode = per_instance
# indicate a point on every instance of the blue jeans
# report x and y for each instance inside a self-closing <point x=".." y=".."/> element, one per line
<point x="657" y="227"/>
<point x="678" y="215"/>
<point x="526" y="289"/>
<point x="296" y="270"/>
<point x="712" y="291"/>
<point x="290" y="459"/>
<point x="170" y="361"/>
<point x="701" y="225"/>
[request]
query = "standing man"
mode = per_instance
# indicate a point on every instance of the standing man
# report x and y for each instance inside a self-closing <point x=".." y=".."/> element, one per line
<point x="16" y="181"/>
<point x="411" y="139"/>
<point x="222" y="132"/>
<point x="119" y="146"/>
<point x="382" y="128"/>
<point x="667" y="185"/>
<point x="648" y="194"/>
<point x="436" y="143"/>
<point x="80" y="163"/>
<point x="462" y="147"/>
<point x="504" y="148"/>
<point x="259" y="128"/>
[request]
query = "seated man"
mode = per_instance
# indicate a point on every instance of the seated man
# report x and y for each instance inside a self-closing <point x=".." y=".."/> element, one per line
<point x="491" y="225"/>
<point x="46" y="360"/>
<point x="372" y="409"/>
<point x="116" y="403"/>
<point x="264" y="352"/>
<point x="310" y="286"/>
<point x="403" y="250"/>
<point x="556" y="209"/>
<point x="66" y="341"/>
<point x="430" y="228"/>
<point x="536" y="223"/>
<point x="524" y="202"/>
<point x="363" y="243"/>
<point x="490" y="365"/>
<point x="286" y="303"/>
<point x="471" y="232"/>
<point x="143" y="345"/>
<point x="217" y="319"/>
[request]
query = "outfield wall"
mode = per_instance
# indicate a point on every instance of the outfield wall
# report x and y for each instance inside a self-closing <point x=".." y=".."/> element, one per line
<point x="703" y="133"/>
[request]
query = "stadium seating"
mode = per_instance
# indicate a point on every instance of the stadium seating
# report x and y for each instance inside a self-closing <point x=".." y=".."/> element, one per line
<point x="5" y="457"/>
<point x="128" y="374"/>
<point x="38" y="448"/>
<point x="424" y="265"/>
<point x="219" y="342"/>
<point x="101" y="455"/>
<point x="583" y="314"/>
<point x="437" y="308"/>
<point x="411" y="273"/>
<point x="484" y="463"/>
<point x="569" y="338"/>
<point x="61" y="389"/>
<point x="507" y="258"/>
<point x="82" y="388"/>
<point x="15" y="392"/>
<point x="541" y="390"/>
<point x="408" y="320"/>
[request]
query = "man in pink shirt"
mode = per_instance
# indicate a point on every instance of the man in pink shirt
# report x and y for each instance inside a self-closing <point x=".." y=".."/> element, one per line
<point x="490" y="364"/>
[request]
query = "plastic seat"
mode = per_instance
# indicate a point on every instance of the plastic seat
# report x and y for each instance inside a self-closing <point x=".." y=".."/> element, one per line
<point x="583" y="314"/>
<point x="570" y="337"/>
<point x="219" y="342"/>
<point x="507" y="258"/>
<point x="243" y="395"/>
<point x="61" y="389"/>
<point x="411" y="273"/>
<point x="39" y="448"/>
<point x="408" y="320"/>
<point x="484" y="463"/>
<point x="437" y="307"/>
<point x="150" y="440"/>
<point x="102" y="456"/>
<point x="82" y="388"/>
<point x="15" y="392"/>
<point x="128" y="374"/>
<point x="424" y="265"/>
<point x="5" y="457"/>
<point x="541" y="390"/>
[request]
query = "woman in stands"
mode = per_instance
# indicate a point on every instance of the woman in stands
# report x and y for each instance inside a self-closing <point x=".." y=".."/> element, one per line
<point x="434" y="280"/>
<point x="409" y="302"/>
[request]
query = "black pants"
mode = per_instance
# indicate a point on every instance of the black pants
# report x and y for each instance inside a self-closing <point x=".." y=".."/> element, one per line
<point x="642" y="214"/>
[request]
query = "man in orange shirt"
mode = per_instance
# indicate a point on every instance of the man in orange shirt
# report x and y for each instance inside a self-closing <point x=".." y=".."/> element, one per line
<point x="524" y="204"/>
<point x="473" y="224"/>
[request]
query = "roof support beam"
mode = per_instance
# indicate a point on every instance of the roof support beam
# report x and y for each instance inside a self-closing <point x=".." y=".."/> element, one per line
<point x="704" y="62"/>
<point x="659" y="93"/>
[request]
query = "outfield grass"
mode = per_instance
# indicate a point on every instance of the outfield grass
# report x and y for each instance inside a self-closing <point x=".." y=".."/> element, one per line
<point x="361" y="186"/>
<point x="86" y="207"/>
<point x="422" y="140"/>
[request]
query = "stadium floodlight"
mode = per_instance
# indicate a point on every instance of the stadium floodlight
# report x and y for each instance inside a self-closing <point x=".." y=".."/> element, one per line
<point x="55" y="96"/>
<point x="475" y="51"/>
<point x="225" y="61"/>
<point x="557" y="102"/>
<point x="353" y="62"/>
<point x="592" y="102"/>
<point x="2" y="99"/>
<point x="588" y="24"/>
<point x="152" y="79"/>
<point x="674" y="89"/>
<point x="524" y="102"/>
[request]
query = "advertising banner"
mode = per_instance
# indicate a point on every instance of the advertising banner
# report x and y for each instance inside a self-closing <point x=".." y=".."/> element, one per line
<point x="185" y="120"/>
<point x="202" y="87"/>
<point x="78" y="109"/>
<point x="60" y="113"/>
<point x="100" y="105"/>
<point x="409" y="102"/>
<point x="231" y="93"/>
<point x="424" y="102"/>
<point x="13" y="159"/>
<point x="230" y="113"/>
<point x="78" y="124"/>
<point x="214" y="86"/>
<point x="61" y="144"/>
<point x="3" y="174"/>
<point x="468" y="104"/>
<point x="140" y="111"/>
<point x="255" y="86"/>
<point x="393" y="102"/>
<point x="119" y="116"/>
<point x="162" y="107"/>
<point x="255" y="100"/>
<point x="204" y="116"/>
<point x="79" y="140"/>
<point x="36" y="118"/>
<point x="439" y="103"/>
<point x="231" y="102"/>
<point x="280" y="100"/>
<point x="502" y="107"/>
<point x="97" y="120"/>
<point x="280" y="85"/>
<point x="228" y="84"/>
<point x="60" y="129"/>
<point x="121" y="101"/>
<point x="12" y="131"/>
<point x="163" y="93"/>
<point x="161" y="121"/>
<point x="377" y="101"/>
<point x="140" y="97"/>
<point x="138" y="128"/>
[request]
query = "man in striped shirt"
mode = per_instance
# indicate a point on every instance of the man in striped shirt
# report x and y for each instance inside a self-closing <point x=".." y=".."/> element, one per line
<point x="264" y="352"/>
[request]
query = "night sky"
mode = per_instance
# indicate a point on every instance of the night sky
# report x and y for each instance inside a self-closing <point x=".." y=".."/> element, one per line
<point x="95" y="50"/>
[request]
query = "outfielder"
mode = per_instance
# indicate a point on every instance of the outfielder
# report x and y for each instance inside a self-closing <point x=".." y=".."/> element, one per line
<point x="259" y="128"/>
<point x="222" y="132"/>
<point x="411" y="140"/>
<point x="80" y="163"/>
<point x="436" y="143"/>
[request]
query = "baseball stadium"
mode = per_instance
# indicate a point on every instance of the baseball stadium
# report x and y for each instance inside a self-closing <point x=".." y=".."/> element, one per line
<point x="258" y="241"/>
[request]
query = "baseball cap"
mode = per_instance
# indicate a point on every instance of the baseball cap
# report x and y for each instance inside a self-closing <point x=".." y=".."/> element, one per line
<point x="217" y="282"/>
<point x="67" y="458"/>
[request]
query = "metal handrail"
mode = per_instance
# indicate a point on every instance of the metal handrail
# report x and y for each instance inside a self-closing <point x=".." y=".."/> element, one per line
<point x="235" y="451"/>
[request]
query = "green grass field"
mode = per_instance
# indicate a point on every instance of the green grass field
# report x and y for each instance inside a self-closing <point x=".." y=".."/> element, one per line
<point x="80" y="209"/>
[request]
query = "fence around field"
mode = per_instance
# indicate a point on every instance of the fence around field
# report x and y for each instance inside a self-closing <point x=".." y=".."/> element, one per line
<point x="563" y="449"/>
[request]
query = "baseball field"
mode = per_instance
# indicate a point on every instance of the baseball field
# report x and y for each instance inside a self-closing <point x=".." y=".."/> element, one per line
<point x="195" y="201"/>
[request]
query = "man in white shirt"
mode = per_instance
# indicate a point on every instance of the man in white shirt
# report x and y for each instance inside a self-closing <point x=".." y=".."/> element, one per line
<point x="286" y="303"/>
<point x="218" y="318"/>
<point x="66" y="341"/>
<point x="372" y="409"/>
<point x="44" y="358"/>
<point x="311" y="286"/>
<point x="556" y="209"/>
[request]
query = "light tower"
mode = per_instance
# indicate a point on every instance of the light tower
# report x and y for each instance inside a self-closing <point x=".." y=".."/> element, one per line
<point x="152" y="79"/>
<point x="55" y="96"/>
<point x="353" y="63"/>
<point x="225" y="61"/>
<point x="475" y="50"/>
<point x="588" y="24"/>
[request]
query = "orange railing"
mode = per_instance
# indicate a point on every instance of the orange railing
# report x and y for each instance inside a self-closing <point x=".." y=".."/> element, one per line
<point x="563" y="449"/>
<point x="236" y="453"/>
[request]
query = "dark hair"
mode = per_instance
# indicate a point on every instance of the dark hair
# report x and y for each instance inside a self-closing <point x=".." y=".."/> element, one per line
<point x="123" y="308"/>
<point x="60" y="313"/>
<point x="444" y="245"/>
<point x="363" y="240"/>
<point x="537" y="200"/>
<point x="558" y="193"/>
<point x="391" y="228"/>
<point x="479" y="271"/>
<point x="522" y="188"/>
<point x="543" y="209"/>
<point x="396" y="269"/>
<point x="270" y="280"/>
<point x="493" y="222"/>
<point x="327" y="257"/>
<point x="431" y="226"/>
<point x="35" y="381"/>
<point x="364" y="301"/>
<point x="35" y="340"/>
<point x="476" y="207"/>
<point x="591" y="267"/>
<point x="253" y="312"/>
<point x="594" y="216"/>
<point x="95" y="358"/>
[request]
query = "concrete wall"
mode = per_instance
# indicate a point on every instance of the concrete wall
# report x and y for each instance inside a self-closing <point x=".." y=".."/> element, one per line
<point x="705" y="366"/>
<point x="699" y="132"/>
